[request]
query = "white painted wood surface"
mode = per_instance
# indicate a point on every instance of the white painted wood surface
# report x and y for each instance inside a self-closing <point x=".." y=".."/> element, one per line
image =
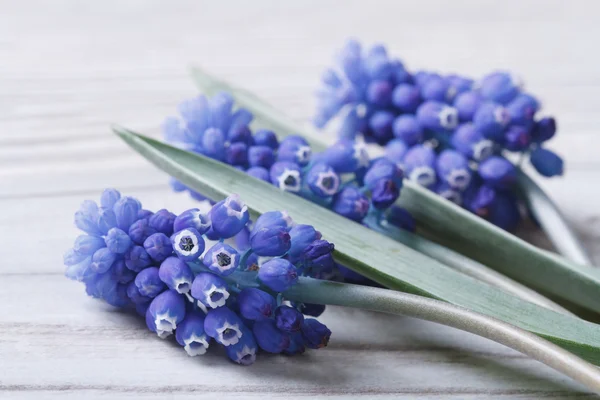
<point x="68" y="68"/>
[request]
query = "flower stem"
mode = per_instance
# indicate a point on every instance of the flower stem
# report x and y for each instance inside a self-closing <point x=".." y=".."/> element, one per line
<point x="382" y="300"/>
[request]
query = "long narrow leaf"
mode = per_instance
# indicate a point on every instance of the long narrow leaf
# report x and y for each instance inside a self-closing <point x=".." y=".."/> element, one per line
<point x="474" y="236"/>
<point x="376" y="256"/>
<point x="552" y="221"/>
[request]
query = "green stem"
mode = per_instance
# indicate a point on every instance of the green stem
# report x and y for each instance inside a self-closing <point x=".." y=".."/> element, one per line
<point x="389" y="301"/>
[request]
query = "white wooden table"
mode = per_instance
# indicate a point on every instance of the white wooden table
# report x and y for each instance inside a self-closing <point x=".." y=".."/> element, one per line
<point x="69" y="68"/>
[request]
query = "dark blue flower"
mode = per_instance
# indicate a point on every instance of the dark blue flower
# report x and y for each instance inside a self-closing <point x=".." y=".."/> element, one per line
<point x="470" y="141"/>
<point x="229" y="216"/>
<point x="255" y="304"/>
<point x="522" y="109"/>
<point x="345" y="156"/>
<point x="500" y="87"/>
<point x="453" y="168"/>
<point x="224" y="326"/>
<point x="296" y="345"/>
<point x="158" y="246"/>
<point x="351" y="203"/>
<point x="437" y="116"/>
<point x="322" y="180"/>
<point x="479" y="200"/>
<point x="117" y="241"/>
<point x="380" y="125"/>
<point x="406" y="98"/>
<point x="546" y="162"/>
<point x="466" y="105"/>
<point x="133" y="293"/>
<point x="149" y="283"/>
<point x="316" y="335"/>
<point x="286" y="176"/>
<point x="140" y="230"/>
<point x="270" y="241"/>
<point x="395" y="151"/>
<point x="165" y="312"/>
<point x="222" y="259"/>
<point x="544" y="129"/>
<point x="176" y="274"/>
<point x="492" y="119"/>
<point x="505" y="212"/>
<point x="210" y="290"/>
<point x="272" y="219"/>
<point x="419" y="165"/>
<point x="261" y="156"/>
<point x="137" y="258"/>
<point x="263" y="137"/>
<point x="517" y="138"/>
<point x="236" y="154"/>
<point x="278" y="274"/>
<point x="269" y="337"/>
<point x="382" y="168"/>
<point x="162" y="221"/>
<point x="384" y="193"/>
<point x="259" y="173"/>
<point x="190" y="334"/>
<point x="407" y="128"/>
<point x="438" y="89"/>
<point x="301" y="237"/>
<point x="188" y="244"/>
<point x="244" y="351"/>
<point x="288" y="319"/>
<point x="444" y="190"/>
<point x="192" y="218"/>
<point x="498" y="172"/>
<point x="294" y="149"/>
<point x="121" y="273"/>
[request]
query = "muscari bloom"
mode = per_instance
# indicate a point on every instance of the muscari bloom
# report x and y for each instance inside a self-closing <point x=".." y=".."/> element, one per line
<point x="199" y="297"/>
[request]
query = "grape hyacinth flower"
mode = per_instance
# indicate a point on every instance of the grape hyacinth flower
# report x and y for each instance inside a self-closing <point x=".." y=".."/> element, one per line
<point x="224" y="295"/>
<point x="429" y="117"/>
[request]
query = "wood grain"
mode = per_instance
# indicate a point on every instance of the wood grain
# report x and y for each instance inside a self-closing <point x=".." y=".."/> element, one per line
<point x="69" y="68"/>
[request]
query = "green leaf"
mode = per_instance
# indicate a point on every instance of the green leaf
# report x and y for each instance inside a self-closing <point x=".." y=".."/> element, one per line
<point x="552" y="221"/>
<point x="439" y="218"/>
<point x="374" y="255"/>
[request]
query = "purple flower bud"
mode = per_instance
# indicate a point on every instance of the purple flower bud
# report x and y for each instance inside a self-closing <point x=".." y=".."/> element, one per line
<point x="470" y="141"/>
<point x="286" y="176"/>
<point x="384" y="193"/>
<point x="78" y="268"/>
<point x="224" y="326"/>
<point x="491" y="119"/>
<point x="140" y="230"/>
<point x="444" y="190"/>
<point x="380" y="124"/>
<point x="522" y="110"/>
<point x="395" y="151"/>
<point x="158" y="246"/>
<point x="106" y="220"/>
<point x="136" y="259"/>
<point x="210" y="290"/>
<point x="453" y="168"/>
<point x="166" y="311"/>
<point x="438" y="89"/>
<point x="270" y="241"/>
<point x="505" y="212"/>
<point x="422" y="77"/>
<point x="301" y="236"/>
<point x="211" y="234"/>
<point x="236" y="154"/>
<point x="190" y="334"/>
<point x="102" y="260"/>
<point x="345" y="156"/>
<point x="379" y="92"/>
<point x="162" y="221"/>
<point x="278" y="274"/>
<point x="255" y="304"/>
<point x="296" y="345"/>
<point x="466" y="105"/>
<point x="294" y="149"/>
<point x="350" y="203"/>
<point x="117" y="241"/>
<point x="222" y="259"/>
<point x="272" y="219"/>
<point x="142" y="308"/>
<point x="419" y="165"/>
<point x="437" y="116"/>
<point x="479" y="200"/>
<point x="86" y="245"/>
<point x="544" y="129"/>
<point x="322" y="180"/>
<point x="546" y="162"/>
<point x="517" y="138"/>
<point x="148" y="282"/>
<point x="133" y="292"/>
<point x="261" y="156"/>
<point x="122" y="273"/>
<point x="109" y="198"/>
<point x="176" y="274"/>
<point x="192" y="218"/>
<point x="351" y="125"/>
<point x="145" y="214"/>
<point x="229" y="216"/>
<point x="401" y="218"/>
<point x="408" y="129"/>
<point x="259" y="173"/>
<point x="87" y="217"/>
<point x="500" y="87"/>
<point x="126" y="210"/>
<point x="382" y="169"/>
<point x="244" y="351"/>
<point x="316" y="335"/>
<point x="188" y="244"/>
<point x="498" y="172"/>
<point x="213" y="144"/>
<point x="269" y="338"/>
<point x="460" y="84"/>
<point x="117" y="295"/>
<point x="240" y="134"/>
<point x="265" y="137"/>
<point x="406" y="98"/>
<point x="288" y="319"/>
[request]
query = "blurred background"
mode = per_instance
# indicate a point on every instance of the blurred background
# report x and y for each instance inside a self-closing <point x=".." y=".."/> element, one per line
<point x="69" y="68"/>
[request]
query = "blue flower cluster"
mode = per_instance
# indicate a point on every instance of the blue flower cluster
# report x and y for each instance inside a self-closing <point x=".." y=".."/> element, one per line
<point x="342" y="178"/>
<point x="446" y="132"/>
<point x="163" y="266"/>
